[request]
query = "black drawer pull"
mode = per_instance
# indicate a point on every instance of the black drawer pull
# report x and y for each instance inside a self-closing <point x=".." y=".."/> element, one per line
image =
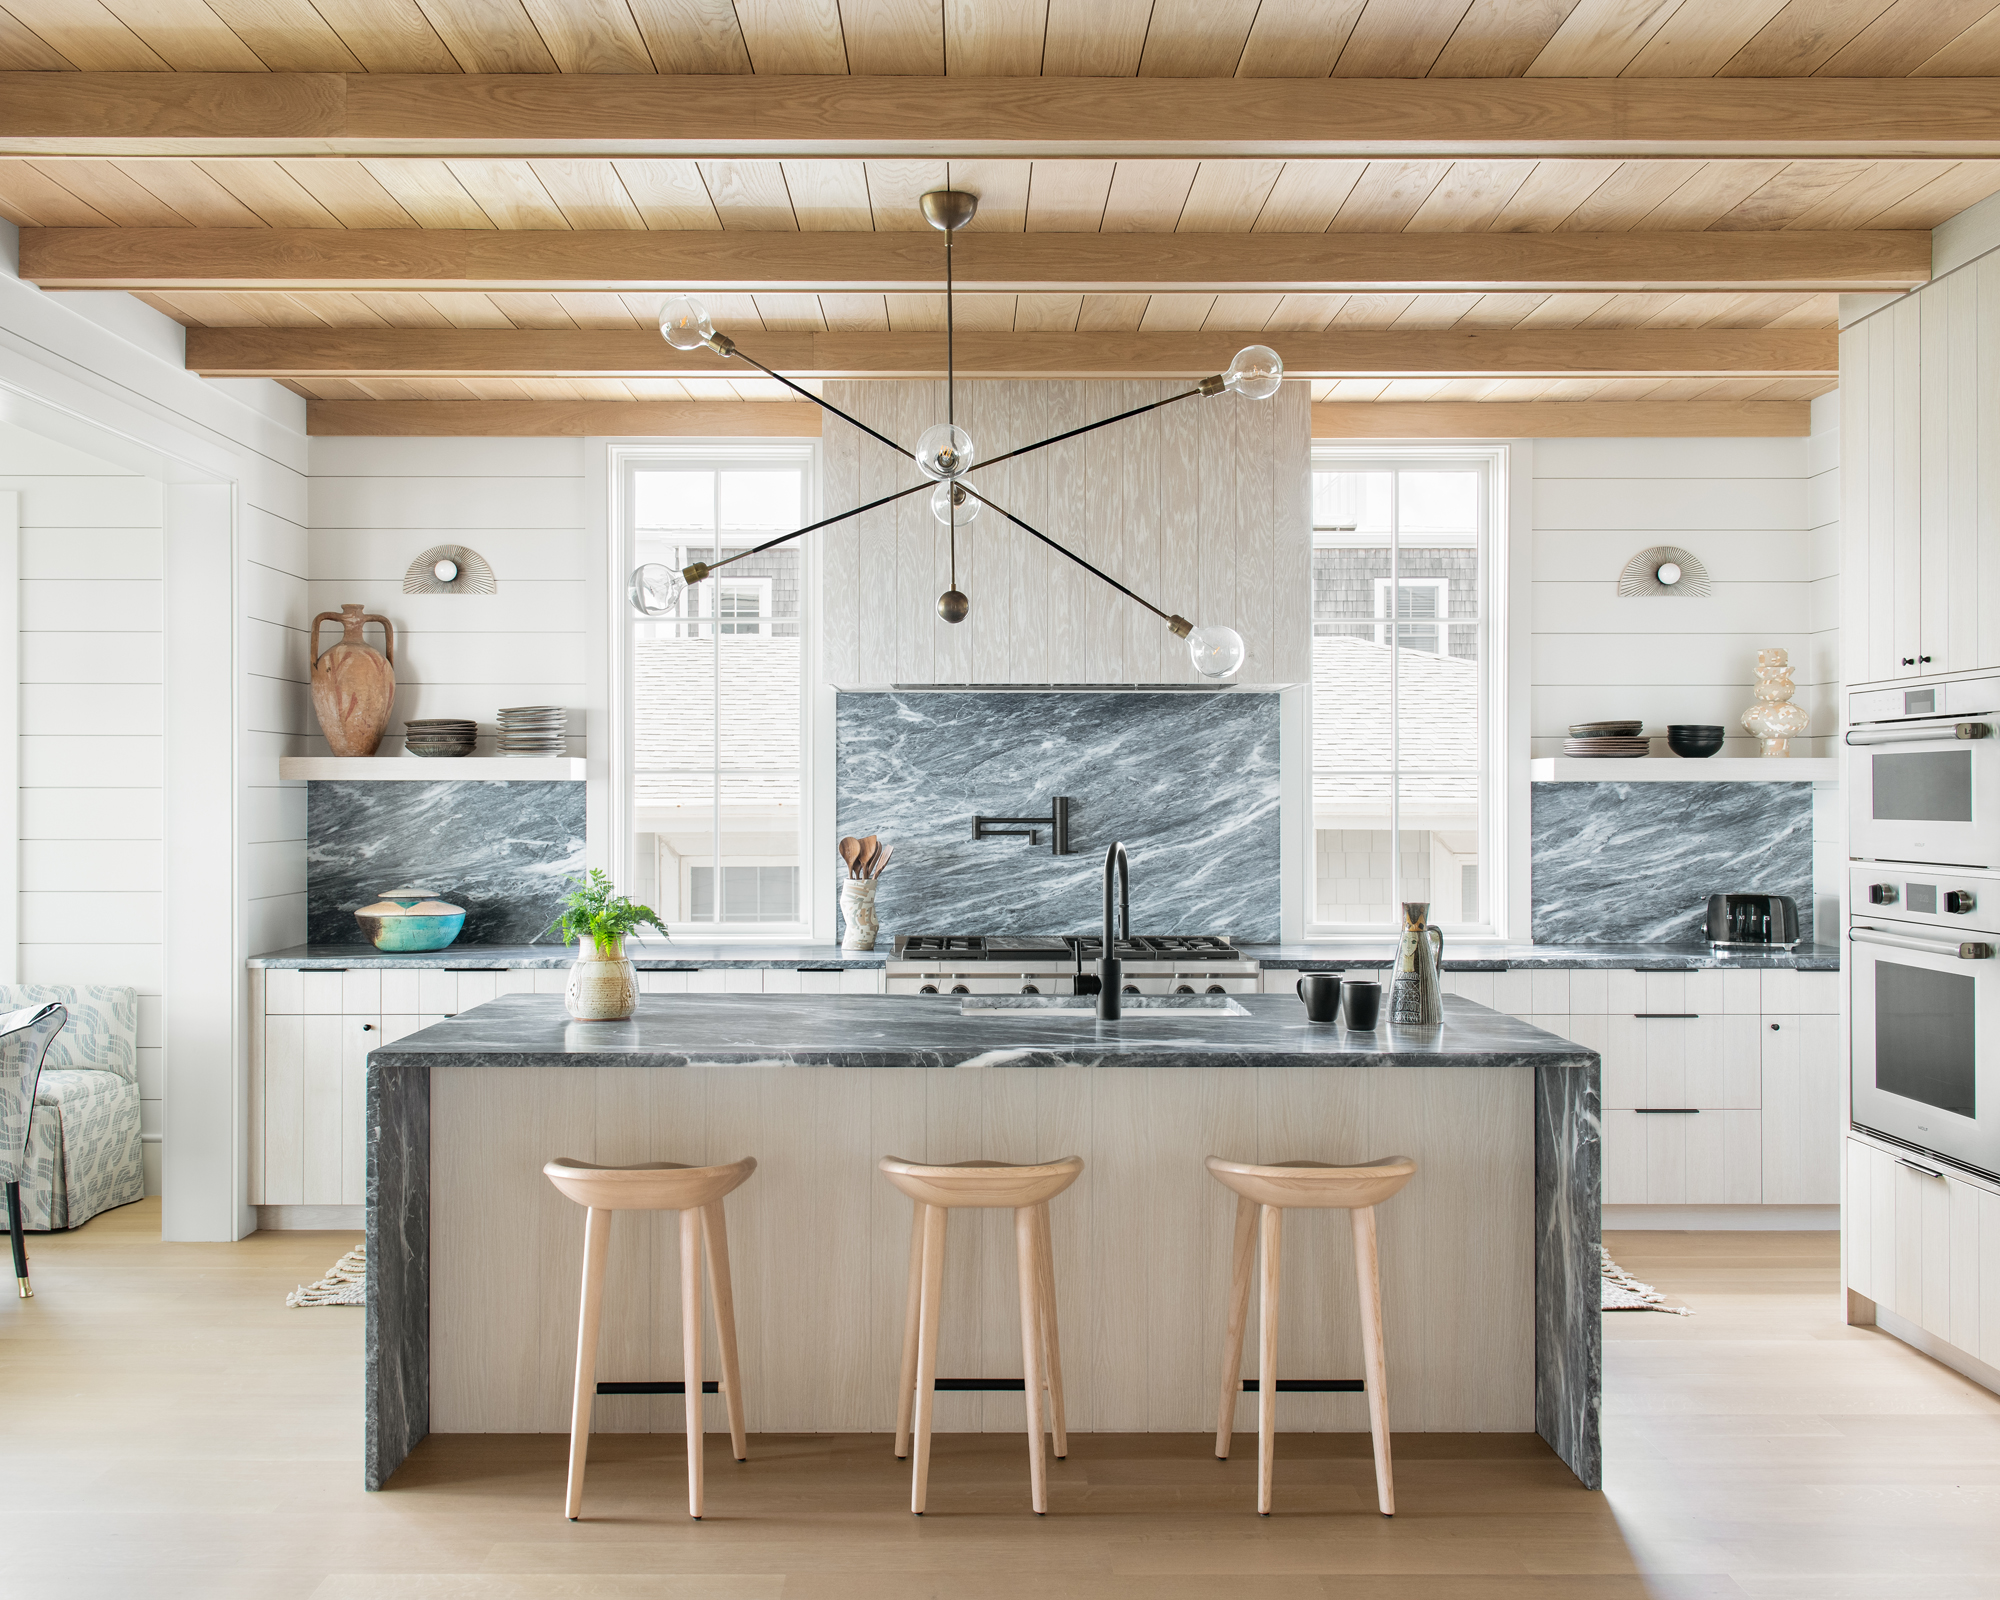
<point x="1678" y="1016"/>
<point x="1667" y="1111"/>
<point x="478" y="969"/>
<point x="322" y="969"/>
<point x="1918" y="1166"/>
<point x="708" y="1386"/>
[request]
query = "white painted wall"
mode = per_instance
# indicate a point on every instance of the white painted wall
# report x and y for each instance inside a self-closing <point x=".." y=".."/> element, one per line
<point x="376" y="504"/>
<point x="1747" y="509"/>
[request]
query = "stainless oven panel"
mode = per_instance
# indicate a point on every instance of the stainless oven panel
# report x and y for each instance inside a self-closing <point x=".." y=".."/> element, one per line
<point x="1950" y="899"/>
<point x="1925" y="1064"/>
<point x="1927" y="790"/>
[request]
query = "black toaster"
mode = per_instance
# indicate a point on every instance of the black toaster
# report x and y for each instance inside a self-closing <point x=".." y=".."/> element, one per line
<point x="1753" y="919"/>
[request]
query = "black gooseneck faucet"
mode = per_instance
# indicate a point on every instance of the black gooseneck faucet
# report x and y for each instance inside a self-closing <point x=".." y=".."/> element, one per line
<point x="1110" y="970"/>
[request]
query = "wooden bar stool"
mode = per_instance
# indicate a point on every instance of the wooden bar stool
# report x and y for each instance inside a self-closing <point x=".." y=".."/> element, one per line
<point x="1262" y="1196"/>
<point x="1028" y="1190"/>
<point x="696" y="1193"/>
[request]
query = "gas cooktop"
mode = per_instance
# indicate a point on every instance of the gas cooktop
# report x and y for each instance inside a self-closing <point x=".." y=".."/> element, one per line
<point x="1063" y="947"/>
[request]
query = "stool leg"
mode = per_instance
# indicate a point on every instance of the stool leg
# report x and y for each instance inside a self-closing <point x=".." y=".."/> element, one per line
<point x="596" y="1240"/>
<point x="1367" y="1276"/>
<point x="907" y="1396"/>
<point x="26" y="1289"/>
<point x="932" y="1278"/>
<point x="1267" y="1356"/>
<point x="722" y="1295"/>
<point x="1027" y="1241"/>
<point x="691" y="1350"/>
<point x="1051" y="1342"/>
<point x="1242" y="1257"/>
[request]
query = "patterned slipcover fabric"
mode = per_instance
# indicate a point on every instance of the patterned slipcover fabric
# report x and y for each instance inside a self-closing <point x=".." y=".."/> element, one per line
<point x="83" y="1146"/>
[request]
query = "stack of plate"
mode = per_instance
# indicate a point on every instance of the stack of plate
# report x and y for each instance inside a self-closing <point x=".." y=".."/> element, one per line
<point x="534" y="731"/>
<point x="440" y="736"/>
<point x="1620" y="740"/>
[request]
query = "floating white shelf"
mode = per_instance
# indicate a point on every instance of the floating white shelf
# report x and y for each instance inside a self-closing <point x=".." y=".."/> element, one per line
<point x="434" y="769"/>
<point x="1678" y="769"/>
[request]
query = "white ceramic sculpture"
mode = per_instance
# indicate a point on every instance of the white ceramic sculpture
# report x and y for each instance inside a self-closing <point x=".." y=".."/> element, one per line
<point x="1774" y="719"/>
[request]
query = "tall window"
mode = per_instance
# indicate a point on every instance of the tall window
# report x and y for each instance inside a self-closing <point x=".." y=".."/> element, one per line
<point x="1401" y="796"/>
<point x="717" y="692"/>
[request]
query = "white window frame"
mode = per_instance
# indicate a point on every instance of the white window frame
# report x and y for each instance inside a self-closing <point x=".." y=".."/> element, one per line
<point x="621" y="458"/>
<point x="1501" y="795"/>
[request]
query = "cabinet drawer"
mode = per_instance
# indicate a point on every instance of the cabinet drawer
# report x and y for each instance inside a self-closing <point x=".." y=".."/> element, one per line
<point x="1703" y="1158"/>
<point x="1705" y="1061"/>
<point x="1926" y="1245"/>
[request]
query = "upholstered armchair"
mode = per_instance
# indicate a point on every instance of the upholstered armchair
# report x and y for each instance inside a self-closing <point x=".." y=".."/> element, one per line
<point x="83" y="1143"/>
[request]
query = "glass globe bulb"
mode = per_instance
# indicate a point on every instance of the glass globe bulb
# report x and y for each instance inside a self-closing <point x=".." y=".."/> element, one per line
<point x="944" y="451"/>
<point x="1216" y="651"/>
<point x="656" y="589"/>
<point x="1255" y="373"/>
<point x="684" y="323"/>
<point x="445" y="571"/>
<point x="947" y="496"/>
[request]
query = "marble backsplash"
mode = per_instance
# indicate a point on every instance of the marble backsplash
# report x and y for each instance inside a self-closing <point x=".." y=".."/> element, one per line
<point x="501" y="850"/>
<point x="1189" y="782"/>
<point x="1618" y="862"/>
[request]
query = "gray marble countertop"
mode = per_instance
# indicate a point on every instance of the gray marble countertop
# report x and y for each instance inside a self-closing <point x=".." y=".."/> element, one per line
<point x="677" y="957"/>
<point x="532" y="1030"/>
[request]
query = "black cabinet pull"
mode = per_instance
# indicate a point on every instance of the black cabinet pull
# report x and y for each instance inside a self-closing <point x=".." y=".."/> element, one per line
<point x="367" y="1027"/>
<point x="1668" y="1111"/>
<point x="1774" y="1027"/>
<point x="1670" y="1016"/>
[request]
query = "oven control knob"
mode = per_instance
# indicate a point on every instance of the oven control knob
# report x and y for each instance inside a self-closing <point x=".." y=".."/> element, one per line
<point x="1216" y="988"/>
<point x="1131" y="988"/>
<point x="929" y="988"/>
<point x="1183" y="988"/>
<point x="1881" y="894"/>
<point x="1959" y="901"/>
<point x="1030" y="988"/>
<point x="959" y="988"/>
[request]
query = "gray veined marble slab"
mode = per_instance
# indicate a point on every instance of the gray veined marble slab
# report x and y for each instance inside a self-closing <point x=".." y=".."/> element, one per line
<point x="762" y="1032"/>
<point x="1189" y="782"/>
<point x="1636" y="862"/>
<point x="503" y="851"/>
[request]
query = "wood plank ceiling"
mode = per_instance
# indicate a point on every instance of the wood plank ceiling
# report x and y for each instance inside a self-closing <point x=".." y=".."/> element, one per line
<point x="1567" y="192"/>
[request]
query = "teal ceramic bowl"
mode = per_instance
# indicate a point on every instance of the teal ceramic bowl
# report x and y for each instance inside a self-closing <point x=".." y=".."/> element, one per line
<point x="410" y="919"/>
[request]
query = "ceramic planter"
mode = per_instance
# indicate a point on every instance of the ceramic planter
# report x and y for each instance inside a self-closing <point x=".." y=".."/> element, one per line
<point x="603" y="985"/>
<point x="857" y="908"/>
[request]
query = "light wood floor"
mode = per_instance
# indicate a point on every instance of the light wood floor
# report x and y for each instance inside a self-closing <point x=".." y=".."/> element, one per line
<point x="169" y="1429"/>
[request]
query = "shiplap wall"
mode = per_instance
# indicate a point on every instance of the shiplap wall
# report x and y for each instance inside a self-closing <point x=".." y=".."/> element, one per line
<point x="91" y="732"/>
<point x="376" y="504"/>
<point x="1203" y="508"/>
<point x="1748" y="509"/>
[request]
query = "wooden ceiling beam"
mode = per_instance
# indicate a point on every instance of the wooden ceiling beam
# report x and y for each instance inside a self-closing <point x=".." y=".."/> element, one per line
<point x="724" y="419"/>
<point x="440" y="259"/>
<point x="307" y="353"/>
<point x="553" y="114"/>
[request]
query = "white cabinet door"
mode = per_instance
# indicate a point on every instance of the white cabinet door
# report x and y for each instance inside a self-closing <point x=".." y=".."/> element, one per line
<point x="322" y="1098"/>
<point x="359" y="1035"/>
<point x="863" y="980"/>
<point x="1695" y="1158"/>
<point x="1802" y="1131"/>
<point x="1679" y="1063"/>
<point x="284" y="1122"/>
<point x="1919" y="1242"/>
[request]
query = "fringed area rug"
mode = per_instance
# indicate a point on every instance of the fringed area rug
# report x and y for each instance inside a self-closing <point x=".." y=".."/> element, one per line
<point x="1623" y="1292"/>
<point x="347" y="1283"/>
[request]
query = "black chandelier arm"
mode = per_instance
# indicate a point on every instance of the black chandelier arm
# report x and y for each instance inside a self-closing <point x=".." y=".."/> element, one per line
<point x="723" y="345"/>
<point x="701" y="569"/>
<point x="1177" y="624"/>
<point x="1088" y="427"/>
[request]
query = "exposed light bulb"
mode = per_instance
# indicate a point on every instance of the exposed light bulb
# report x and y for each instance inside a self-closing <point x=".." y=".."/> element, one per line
<point x="953" y="605"/>
<point x="953" y="502"/>
<point x="1216" y="651"/>
<point x="943" y="451"/>
<point x="656" y="589"/>
<point x="1255" y="373"/>
<point x="1669" y="573"/>
<point x="445" y="571"/>
<point x="684" y="323"/>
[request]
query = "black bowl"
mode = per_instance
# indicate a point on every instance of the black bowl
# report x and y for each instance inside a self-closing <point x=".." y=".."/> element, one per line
<point x="1694" y="739"/>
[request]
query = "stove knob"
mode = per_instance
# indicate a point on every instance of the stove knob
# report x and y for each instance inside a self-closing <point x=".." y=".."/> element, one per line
<point x="1216" y="988"/>
<point x="1183" y="988"/>
<point x="1131" y="988"/>
<point x="959" y="988"/>
<point x="1029" y="988"/>
<point x="929" y="988"/>
<point x="1881" y="894"/>
<point x="1959" y="901"/>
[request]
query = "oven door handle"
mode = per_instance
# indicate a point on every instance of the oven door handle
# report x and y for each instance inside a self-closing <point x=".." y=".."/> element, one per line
<point x="1967" y="950"/>
<point x="1936" y="734"/>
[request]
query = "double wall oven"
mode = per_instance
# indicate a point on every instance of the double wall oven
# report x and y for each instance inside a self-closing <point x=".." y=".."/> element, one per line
<point x="1923" y="786"/>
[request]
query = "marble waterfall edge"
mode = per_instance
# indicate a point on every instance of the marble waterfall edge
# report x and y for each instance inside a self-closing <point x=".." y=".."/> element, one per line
<point x="1188" y="781"/>
<point x="1618" y="863"/>
<point x="501" y="850"/>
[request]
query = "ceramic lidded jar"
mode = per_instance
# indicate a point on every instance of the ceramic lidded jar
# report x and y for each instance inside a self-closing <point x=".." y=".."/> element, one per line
<point x="353" y="683"/>
<point x="410" y="919"/>
<point x="603" y="986"/>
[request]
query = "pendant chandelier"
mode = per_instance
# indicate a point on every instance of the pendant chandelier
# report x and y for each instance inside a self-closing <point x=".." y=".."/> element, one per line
<point x="945" y="456"/>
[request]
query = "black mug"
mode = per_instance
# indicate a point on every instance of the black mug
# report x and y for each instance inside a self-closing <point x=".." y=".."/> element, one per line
<point x="1364" y="1005"/>
<point x="1321" y="993"/>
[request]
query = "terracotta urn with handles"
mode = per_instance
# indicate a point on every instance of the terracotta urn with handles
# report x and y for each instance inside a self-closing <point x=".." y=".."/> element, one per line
<point x="353" y="683"/>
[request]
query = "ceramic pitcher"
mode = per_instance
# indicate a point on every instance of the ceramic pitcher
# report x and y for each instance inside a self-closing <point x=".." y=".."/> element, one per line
<point x="1417" y="999"/>
<point x="353" y="683"/>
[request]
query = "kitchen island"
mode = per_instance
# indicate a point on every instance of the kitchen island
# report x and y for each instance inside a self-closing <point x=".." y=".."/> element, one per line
<point x="1489" y="1257"/>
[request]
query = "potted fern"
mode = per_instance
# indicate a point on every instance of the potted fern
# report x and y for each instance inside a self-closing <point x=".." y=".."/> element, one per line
<point x="603" y="986"/>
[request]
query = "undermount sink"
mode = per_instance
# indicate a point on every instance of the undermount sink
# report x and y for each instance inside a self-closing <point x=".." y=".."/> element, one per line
<point x="1136" y="1007"/>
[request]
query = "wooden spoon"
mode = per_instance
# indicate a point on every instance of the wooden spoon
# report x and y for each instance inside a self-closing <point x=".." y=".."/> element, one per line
<point x="850" y="852"/>
<point x="880" y="864"/>
<point x="867" y="854"/>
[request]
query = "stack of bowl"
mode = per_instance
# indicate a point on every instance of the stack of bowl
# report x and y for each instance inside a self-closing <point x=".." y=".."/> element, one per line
<point x="1695" y="739"/>
<point x="1613" y="740"/>
<point x="534" y="731"/>
<point x="440" y="736"/>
